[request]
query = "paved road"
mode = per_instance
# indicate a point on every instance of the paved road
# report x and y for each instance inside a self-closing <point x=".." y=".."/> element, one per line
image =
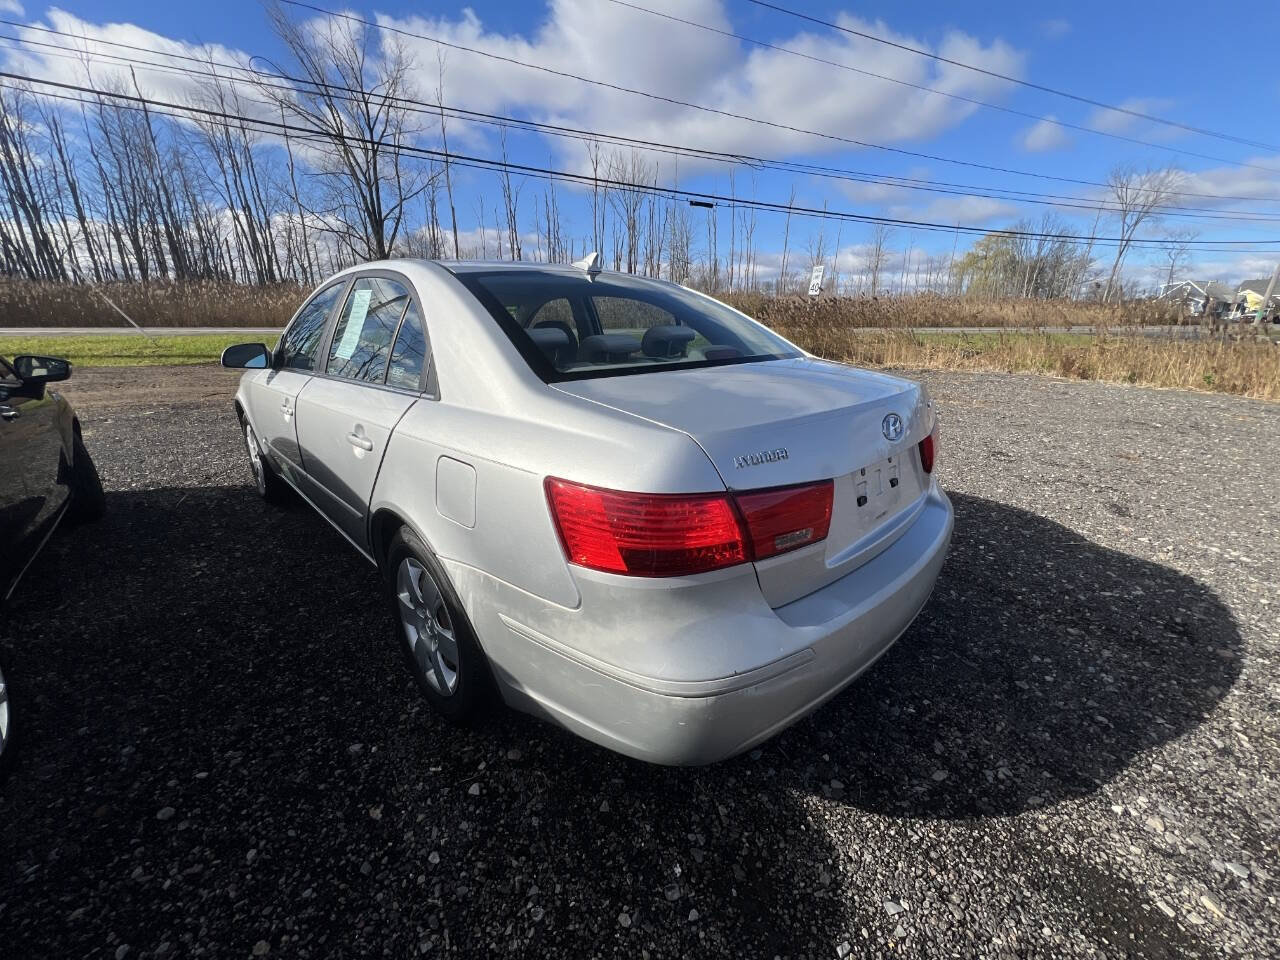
<point x="1074" y="752"/>
<point x="153" y="331"/>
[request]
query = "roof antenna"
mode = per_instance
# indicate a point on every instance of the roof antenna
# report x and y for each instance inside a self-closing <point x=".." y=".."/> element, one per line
<point x="590" y="263"/>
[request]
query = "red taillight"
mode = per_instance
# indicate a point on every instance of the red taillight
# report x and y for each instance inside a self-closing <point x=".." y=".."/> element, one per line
<point x="786" y="518"/>
<point x="673" y="535"/>
<point x="645" y="534"/>
<point x="928" y="447"/>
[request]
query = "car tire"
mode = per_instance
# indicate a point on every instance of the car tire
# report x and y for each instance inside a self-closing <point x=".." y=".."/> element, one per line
<point x="88" y="501"/>
<point x="268" y="483"/>
<point x="433" y="632"/>
<point x="7" y="718"/>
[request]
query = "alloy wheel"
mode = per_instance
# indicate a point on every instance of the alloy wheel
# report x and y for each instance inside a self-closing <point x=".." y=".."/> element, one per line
<point x="427" y="626"/>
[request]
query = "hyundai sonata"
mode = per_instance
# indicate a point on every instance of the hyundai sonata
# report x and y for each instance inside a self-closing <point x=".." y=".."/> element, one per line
<point x="617" y="502"/>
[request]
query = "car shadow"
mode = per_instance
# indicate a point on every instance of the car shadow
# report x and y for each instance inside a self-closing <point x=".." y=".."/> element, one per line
<point x="204" y="676"/>
<point x="1042" y="666"/>
<point x="200" y="653"/>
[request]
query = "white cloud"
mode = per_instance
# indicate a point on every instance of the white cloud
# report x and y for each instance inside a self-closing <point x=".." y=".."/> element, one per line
<point x="965" y="211"/>
<point x="631" y="49"/>
<point x="1044" y="136"/>
<point x="1113" y="121"/>
<point x="90" y="58"/>
<point x="12" y="7"/>
<point x="1056" y="28"/>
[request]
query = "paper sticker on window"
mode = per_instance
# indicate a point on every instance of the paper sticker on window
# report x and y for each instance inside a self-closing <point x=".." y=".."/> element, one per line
<point x="355" y="323"/>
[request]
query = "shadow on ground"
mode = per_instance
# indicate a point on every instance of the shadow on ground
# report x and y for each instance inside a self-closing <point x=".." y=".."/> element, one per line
<point x="202" y="653"/>
<point x="1042" y="666"/>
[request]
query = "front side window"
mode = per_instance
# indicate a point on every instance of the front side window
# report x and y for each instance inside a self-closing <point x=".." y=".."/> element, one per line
<point x="571" y="327"/>
<point x="297" y="348"/>
<point x="365" y="330"/>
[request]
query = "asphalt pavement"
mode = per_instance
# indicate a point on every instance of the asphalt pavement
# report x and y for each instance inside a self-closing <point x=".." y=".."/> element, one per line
<point x="1074" y="752"/>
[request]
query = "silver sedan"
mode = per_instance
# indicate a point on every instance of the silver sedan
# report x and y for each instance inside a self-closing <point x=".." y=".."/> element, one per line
<point x="613" y="502"/>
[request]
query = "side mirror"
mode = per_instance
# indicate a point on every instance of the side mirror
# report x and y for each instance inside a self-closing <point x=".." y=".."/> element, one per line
<point x="247" y="356"/>
<point x="34" y="370"/>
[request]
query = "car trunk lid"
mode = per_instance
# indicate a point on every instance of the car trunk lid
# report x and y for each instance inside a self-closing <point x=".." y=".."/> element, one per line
<point x="781" y="422"/>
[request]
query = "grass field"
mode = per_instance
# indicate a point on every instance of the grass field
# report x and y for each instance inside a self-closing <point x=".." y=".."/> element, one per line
<point x="124" y="350"/>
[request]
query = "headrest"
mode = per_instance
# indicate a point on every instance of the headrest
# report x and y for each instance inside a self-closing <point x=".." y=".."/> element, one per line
<point x="608" y="347"/>
<point x="556" y="344"/>
<point x="667" y="341"/>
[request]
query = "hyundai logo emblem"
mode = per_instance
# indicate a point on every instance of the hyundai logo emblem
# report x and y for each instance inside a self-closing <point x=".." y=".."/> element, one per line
<point x="891" y="427"/>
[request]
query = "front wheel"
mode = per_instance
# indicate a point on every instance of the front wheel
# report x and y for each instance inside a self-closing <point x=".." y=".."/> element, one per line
<point x="433" y="631"/>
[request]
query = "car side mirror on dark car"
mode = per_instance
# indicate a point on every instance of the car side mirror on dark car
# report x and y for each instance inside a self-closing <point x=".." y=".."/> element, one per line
<point x="250" y="356"/>
<point x="35" y="370"/>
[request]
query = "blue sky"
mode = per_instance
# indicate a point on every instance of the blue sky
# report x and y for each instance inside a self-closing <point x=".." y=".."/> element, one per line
<point x="1144" y="55"/>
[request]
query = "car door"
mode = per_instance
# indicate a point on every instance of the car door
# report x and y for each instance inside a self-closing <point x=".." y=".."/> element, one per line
<point x="272" y="394"/>
<point x="372" y="374"/>
<point x="33" y="478"/>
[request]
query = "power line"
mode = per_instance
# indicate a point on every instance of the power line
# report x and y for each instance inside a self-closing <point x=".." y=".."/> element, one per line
<point x="316" y="135"/>
<point x="1023" y="83"/>
<point x="588" y="136"/>
<point x="686" y="103"/>
<point x="943" y="93"/>
<point x="945" y="187"/>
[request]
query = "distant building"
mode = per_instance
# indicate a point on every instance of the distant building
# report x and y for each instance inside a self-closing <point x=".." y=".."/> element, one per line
<point x="1200" y="297"/>
<point x="1248" y="298"/>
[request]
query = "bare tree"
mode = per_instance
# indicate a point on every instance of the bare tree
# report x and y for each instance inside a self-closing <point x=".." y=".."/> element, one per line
<point x="781" y="285"/>
<point x="878" y="255"/>
<point x="1137" y="198"/>
<point x="444" y="145"/>
<point x="354" y="99"/>
<point x="1176" y="250"/>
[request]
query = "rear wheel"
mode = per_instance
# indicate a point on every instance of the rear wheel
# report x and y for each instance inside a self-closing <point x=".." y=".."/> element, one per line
<point x="88" y="501"/>
<point x="269" y="486"/>
<point x="433" y="631"/>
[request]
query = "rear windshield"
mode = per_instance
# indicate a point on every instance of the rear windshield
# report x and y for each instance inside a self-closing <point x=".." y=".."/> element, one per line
<point x="571" y="328"/>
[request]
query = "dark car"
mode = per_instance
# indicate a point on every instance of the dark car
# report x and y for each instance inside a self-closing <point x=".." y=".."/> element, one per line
<point x="46" y="475"/>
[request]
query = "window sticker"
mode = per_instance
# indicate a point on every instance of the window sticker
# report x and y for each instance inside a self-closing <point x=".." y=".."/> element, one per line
<point x="355" y="323"/>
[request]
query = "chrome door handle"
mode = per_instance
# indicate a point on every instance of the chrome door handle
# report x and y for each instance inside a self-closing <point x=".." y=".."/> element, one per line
<point x="286" y="409"/>
<point x="364" y="443"/>
<point x="8" y="413"/>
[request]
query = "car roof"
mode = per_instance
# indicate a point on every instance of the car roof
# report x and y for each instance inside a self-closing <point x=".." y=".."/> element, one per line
<point x="460" y="267"/>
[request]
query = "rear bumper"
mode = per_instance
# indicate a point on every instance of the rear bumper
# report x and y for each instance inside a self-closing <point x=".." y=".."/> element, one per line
<point x="826" y="640"/>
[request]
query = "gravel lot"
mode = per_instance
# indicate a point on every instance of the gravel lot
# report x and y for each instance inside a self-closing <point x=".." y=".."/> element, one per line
<point x="1074" y="752"/>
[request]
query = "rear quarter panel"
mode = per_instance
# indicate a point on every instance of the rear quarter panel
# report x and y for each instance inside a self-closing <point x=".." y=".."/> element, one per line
<point x="513" y="538"/>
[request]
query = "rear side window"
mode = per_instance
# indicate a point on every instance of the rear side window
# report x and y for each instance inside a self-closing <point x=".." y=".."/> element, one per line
<point x="409" y="356"/>
<point x="366" y="328"/>
<point x="297" y="348"/>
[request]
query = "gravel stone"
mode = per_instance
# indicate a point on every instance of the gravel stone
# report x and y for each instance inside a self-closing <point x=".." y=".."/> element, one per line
<point x="1110" y="541"/>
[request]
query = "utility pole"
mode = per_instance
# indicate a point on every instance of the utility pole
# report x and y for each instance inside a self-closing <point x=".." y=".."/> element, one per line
<point x="1266" y="299"/>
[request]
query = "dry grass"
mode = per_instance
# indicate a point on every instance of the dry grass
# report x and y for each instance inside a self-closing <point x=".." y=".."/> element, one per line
<point x="931" y="310"/>
<point x="25" y="303"/>
<point x="1248" y="368"/>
